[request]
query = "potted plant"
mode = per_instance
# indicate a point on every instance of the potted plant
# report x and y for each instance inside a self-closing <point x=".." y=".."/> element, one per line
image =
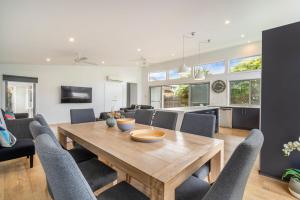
<point x="292" y="175"/>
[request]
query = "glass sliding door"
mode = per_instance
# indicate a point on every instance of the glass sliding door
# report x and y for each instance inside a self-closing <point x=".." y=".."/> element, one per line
<point x="155" y="97"/>
<point x="199" y="94"/>
<point x="175" y="96"/>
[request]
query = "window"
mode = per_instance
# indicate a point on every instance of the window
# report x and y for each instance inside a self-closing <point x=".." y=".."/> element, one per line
<point x="157" y="76"/>
<point x="175" y="96"/>
<point x="199" y="94"/>
<point x="173" y="74"/>
<point x="245" y="92"/>
<point x="212" y="68"/>
<point x="245" y="64"/>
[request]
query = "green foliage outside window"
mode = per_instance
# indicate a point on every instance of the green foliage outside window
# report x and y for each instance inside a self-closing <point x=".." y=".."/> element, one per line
<point x="245" y="92"/>
<point x="247" y="65"/>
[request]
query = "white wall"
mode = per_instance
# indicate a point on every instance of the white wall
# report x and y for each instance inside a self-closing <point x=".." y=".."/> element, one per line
<point x="51" y="77"/>
<point x="219" y="55"/>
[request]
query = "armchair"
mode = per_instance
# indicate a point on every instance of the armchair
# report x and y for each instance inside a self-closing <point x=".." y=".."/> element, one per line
<point x="24" y="146"/>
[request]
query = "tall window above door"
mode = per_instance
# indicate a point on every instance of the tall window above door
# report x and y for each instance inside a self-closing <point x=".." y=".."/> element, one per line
<point x="245" y="64"/>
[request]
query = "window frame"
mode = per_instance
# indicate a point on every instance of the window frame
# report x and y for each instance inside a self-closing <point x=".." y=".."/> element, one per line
<point x="199" y="65"/>
<point x="234" y="58"/>
<point x="165" y="72"/>
<point x="250" y="92"/>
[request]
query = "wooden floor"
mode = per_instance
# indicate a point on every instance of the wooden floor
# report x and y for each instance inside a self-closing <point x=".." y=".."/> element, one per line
<point x="18" y="181"/>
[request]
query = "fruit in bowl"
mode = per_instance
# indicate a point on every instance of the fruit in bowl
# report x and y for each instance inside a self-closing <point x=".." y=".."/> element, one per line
<point x="125" y="124"/>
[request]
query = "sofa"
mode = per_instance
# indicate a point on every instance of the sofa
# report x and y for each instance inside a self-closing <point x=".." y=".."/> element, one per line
<point x="24" y="146"/>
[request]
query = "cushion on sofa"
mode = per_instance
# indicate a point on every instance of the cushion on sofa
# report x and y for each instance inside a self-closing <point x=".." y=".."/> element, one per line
<point x="23" y="147"/>
<point x="7" y="139"/>
<point x="9" y="115"/>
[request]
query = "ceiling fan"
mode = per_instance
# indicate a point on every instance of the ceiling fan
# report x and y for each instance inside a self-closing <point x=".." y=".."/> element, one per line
<point x="83" y="60"/>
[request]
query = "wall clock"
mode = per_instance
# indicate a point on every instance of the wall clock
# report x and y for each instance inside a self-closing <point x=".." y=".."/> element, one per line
<point x="218" y="86"/>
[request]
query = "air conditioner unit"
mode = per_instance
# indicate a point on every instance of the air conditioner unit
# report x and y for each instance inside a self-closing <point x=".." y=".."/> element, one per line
<point x="114" y="78"/>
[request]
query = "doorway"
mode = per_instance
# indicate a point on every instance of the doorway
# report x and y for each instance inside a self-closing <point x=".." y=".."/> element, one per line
<point x="20" y="94"/>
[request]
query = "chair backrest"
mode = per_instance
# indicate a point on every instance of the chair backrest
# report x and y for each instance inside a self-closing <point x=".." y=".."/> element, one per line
<point x="40" y="118"/>
<point x="199" y="124"/>
<point x="143" y="116"/>
<point x="82" y="115"/>
<point x="63" y="175"/>
<point x="37" y="129"/>
<point x="231" y="183"/>
<point x="165" y="119"/>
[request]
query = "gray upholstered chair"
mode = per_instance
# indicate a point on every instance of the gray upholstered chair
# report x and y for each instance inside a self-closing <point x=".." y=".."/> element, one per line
<point x="66" y="180"/>
<point x="78" y="153"/>
<point x="164" y="119"/>
<point x="199" y="124"/>
<point x="143" y="116"/>
<point x="82" y="115"/>
<point x="231" y="183"/>
<point x="95" y="172"/>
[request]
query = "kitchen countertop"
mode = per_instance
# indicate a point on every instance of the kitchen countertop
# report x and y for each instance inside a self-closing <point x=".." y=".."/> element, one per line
<point x="190" y="109"/>
<point x="237" y="106"/>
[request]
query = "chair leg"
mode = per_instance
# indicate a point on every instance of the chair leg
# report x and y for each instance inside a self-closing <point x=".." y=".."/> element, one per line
<point x="31" y="161"/>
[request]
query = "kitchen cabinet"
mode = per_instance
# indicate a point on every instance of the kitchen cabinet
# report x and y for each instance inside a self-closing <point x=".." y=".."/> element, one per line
<point x="245" y="118"/>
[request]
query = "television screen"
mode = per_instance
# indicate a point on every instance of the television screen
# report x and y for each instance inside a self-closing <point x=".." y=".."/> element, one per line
<point x="70" y="94"/>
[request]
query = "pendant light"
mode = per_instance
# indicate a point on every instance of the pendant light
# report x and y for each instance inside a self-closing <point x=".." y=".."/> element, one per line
<point x="200" y="74"/>
<point x="184" y="69"/>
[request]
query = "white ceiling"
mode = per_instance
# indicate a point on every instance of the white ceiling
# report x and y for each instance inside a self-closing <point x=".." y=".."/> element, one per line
<point x="112" y="30"/>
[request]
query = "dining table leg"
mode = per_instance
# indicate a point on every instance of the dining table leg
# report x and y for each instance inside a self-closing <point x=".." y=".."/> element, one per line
<point x="62" y="138"/>
<point x="217" y="164"/>
<point x="160" y="191"/>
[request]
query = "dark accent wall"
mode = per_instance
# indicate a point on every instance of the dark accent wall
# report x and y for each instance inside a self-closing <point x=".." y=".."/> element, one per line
<point x="280" y="103"/>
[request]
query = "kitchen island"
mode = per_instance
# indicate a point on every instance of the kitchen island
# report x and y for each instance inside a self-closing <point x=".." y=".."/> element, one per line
<point x="194" y="109"/>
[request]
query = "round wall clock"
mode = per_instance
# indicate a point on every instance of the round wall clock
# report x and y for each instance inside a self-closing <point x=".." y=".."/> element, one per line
<point x="218" y="86"/>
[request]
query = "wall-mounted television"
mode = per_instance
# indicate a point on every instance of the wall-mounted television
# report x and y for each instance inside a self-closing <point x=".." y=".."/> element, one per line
<point x="70" y="94"/>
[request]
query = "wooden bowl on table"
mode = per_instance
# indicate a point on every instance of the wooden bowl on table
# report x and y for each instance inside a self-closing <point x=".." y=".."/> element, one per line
<point x="125" y="124"/>
<point x="147" y="135"/>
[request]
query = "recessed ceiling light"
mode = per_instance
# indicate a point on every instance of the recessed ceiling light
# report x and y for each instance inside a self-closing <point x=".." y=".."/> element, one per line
<point x="71" y="39"/>
<point x="227" y="22"/>
<point x="139" y="50"/>
<point x="173" y="54"/>
<point x="48" y="59"/>
<point x="102" y="62"/>
<point x="242" y="35"/>
<point x="249" y="41"/>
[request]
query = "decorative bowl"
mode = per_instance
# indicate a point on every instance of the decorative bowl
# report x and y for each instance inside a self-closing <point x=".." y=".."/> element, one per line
<point x="125" y="124"/>
<point x="110" y="122"/>
<point x="147" y="135"/>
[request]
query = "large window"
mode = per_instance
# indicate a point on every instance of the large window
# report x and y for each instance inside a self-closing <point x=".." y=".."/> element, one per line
<point x="157" y="76"/>
<point x="175" y="96"/>
<point x="245" y="64"/>
<point x="173" y="74"/>
<point x="245" y="92"/>
<point x="212" y="68"/>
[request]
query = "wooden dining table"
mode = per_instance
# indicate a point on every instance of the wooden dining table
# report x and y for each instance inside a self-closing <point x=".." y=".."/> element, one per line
<point x="161" y="166"/>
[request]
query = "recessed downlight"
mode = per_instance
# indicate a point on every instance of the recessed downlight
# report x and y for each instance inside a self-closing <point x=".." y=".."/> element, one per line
<point x="242" y="35"/>
<point x="48" y="59"/>
<point x="71" y="39"/>
<point x="249" y="41"/>
<point x="103" y="62"/>
<point x="227" y="22"/>
<point x="173" y="54"/>
<point x="138" y="49"/>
